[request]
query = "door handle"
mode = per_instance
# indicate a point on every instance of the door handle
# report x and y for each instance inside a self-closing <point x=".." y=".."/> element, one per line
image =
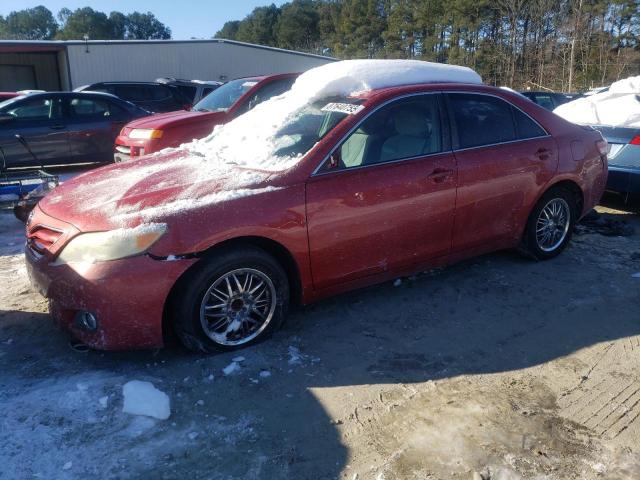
<point x="57" y="127"/>
<point x="439" y="175"/>
<point x="543" y="153"/>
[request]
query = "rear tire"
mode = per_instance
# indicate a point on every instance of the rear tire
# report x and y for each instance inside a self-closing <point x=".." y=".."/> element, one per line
<point x="231" y="299"/>
<point x="550" y="224"/>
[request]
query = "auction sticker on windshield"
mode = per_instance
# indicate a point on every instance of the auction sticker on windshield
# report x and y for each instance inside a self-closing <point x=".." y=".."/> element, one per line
<point x="347" y="108"/>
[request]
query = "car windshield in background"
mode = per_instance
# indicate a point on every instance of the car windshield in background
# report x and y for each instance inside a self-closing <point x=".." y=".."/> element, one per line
<point x="311" y="123"/>
<point x="223" y="98"/>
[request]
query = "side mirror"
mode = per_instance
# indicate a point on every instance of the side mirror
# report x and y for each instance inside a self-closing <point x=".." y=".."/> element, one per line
<point x="6" y="118"/>
<point x="334" y="160"/>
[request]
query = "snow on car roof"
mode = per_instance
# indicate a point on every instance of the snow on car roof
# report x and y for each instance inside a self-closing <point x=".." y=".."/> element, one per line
<point x="619" y="106"/>
<point x="250" y="140"/>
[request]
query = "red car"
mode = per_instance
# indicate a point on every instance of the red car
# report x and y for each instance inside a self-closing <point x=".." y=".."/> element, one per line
<point x="373" y="185"/>
<point x="7" y="95"/>
<point x="172" y="129"/>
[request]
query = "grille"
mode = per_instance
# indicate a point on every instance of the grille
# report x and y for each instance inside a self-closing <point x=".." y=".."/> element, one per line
<point x="41" y="238"/>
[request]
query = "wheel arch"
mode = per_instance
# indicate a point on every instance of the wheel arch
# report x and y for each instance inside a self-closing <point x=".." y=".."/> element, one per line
<point x="571" y="186"/>
<point x="281" y="254"/>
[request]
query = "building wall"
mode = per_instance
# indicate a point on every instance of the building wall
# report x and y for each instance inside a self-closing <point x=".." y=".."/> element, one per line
<point x="15" y="66"/>
<point x="191" y="60"/>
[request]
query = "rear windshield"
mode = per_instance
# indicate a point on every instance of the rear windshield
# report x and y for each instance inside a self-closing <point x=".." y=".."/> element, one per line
<point x="223" y="98"/>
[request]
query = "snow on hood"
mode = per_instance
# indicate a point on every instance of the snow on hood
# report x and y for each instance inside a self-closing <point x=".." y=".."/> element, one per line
<point x="239" y="152"/>
<point x="617" y="107"/>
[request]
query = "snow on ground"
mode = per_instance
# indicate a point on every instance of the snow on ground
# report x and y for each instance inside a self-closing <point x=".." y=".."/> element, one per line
<point x="618" y="107"/>
<point x="142" y="398"/>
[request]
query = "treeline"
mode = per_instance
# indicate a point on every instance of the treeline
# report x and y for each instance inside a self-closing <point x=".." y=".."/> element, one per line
<point x="563" y="45"/>
<point x="38" y="23"/>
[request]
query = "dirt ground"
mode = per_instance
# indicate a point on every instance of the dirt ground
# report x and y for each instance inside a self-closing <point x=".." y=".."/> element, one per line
<point x="496" y="368"/>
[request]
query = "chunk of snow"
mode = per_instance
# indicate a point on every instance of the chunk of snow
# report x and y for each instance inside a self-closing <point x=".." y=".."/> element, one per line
<point x="103" y="401"/>
<point x="636" y="275"/>
<point x="232" y="368"/>
<point x="238" y="359"/>
<point x="617" y="107"/>
<point x="397" y="282"/>
<point x="142" y="398"/>
<point x="265" y="373"/>
<point x="193" y="435"/>
<point x="67" y="466"/>
<point x="200" y="403"/>
<point x="295" y="357"/>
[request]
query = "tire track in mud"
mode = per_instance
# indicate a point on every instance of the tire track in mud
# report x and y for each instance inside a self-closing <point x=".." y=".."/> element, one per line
<point x="607" y="398"/>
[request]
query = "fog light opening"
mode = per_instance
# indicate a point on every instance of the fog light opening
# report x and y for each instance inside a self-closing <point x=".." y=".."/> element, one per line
<point x="86" y="321"/>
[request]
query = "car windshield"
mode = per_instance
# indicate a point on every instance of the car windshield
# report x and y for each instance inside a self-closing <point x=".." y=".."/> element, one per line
<point x="223" y="98"/>
<point x="311" y="123"/>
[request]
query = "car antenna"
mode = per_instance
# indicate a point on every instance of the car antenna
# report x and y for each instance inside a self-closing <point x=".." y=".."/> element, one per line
<point x="24" y="143"/>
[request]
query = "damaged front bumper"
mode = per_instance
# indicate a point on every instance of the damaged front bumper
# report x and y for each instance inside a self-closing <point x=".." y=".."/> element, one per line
<point x="125" y="297"/>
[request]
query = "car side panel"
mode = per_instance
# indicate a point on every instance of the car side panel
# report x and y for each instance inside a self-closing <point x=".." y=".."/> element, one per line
<point x="497" y="187"/>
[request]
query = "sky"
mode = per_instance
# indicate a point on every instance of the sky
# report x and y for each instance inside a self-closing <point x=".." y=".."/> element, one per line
<point x="186" y="18"/>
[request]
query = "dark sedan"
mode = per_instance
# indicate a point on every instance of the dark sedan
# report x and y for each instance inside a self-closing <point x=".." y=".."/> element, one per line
<point x="62" y="127"/>
<point x="153" y="96"/>
<point x="549" y="100"/>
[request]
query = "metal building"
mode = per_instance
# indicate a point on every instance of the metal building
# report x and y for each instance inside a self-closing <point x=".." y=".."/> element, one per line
<point x="65" y="65"/>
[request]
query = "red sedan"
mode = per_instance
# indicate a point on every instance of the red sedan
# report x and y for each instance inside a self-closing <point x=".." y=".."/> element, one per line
<point x="172" y="129"/>
<point x="360" y="187"/>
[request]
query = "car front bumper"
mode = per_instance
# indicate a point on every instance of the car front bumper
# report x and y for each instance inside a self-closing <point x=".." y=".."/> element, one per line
<point x="127" y="297"/>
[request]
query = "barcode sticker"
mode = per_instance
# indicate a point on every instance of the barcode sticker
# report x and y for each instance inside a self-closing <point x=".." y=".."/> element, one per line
<point x="347" y="108"/>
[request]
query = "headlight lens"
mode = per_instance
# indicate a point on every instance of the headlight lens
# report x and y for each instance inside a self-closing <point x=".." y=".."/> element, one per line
<point x="111" y="245"/>
<point x="145" y="133"/>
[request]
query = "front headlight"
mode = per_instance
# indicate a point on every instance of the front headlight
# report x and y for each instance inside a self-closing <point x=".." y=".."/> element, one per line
<point x="111" y="245"/>
<point x="145" y="133"/>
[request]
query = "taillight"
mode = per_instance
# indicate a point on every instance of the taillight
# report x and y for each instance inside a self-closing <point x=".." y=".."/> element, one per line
<point x="635" y="140"/>
<point x="603" y="146"/>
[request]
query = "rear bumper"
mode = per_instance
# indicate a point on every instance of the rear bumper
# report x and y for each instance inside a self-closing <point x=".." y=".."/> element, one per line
<point x="126" y="296"/>
<point x="623" y="179"/>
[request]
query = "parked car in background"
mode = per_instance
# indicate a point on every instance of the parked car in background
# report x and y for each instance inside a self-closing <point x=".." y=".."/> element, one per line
<point x="549" y="100"/>
<point x="624" y="158"/>
<point x="192" y="90"/>
<point x="234" y="98"/>
<point x="306" y="199"/>
<point x="62" y="127"/>
<point x="152" y="96"/>
<point x="8" y="95"/>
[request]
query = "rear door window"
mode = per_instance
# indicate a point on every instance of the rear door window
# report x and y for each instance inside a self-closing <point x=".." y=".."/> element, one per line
<point x="525" y="126"/>
<point x="481" y="119"/>
<point x="89" y="108"/>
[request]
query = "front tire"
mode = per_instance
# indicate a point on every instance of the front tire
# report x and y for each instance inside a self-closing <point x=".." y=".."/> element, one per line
<point x="550" y="224"/>
<point x="230" y="300"/>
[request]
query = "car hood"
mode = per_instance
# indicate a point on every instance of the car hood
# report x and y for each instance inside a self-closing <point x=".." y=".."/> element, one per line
<point x="171" y="119"/>
<point x="156" y="188"/>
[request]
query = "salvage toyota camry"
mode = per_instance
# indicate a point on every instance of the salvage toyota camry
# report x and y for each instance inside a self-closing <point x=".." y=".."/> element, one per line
<point x="364" y="171"/>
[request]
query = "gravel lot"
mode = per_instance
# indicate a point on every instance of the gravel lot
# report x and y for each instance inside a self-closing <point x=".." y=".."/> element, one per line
<point x="496" y="368"/>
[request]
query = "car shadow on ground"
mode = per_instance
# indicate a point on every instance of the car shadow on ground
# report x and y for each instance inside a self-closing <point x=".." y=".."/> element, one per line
<point x="497" y="313"/>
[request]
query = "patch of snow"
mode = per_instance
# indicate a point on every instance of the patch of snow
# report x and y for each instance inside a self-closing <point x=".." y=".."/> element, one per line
<point x="233" y="367"/>
<point x="200" y="403"/>
<point x="397" y="282"/>
<point x="67" y="466"/>
<point x="635" y="275"/>
<point x="265" y="373"/>
<point x="617" y="107"/>
<point x="142" y="398"/>
<point x="193" y="435"/>
<point x="238" y="359"/>
<point x="103" y="401"/>
<point x="295" y="357"/>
